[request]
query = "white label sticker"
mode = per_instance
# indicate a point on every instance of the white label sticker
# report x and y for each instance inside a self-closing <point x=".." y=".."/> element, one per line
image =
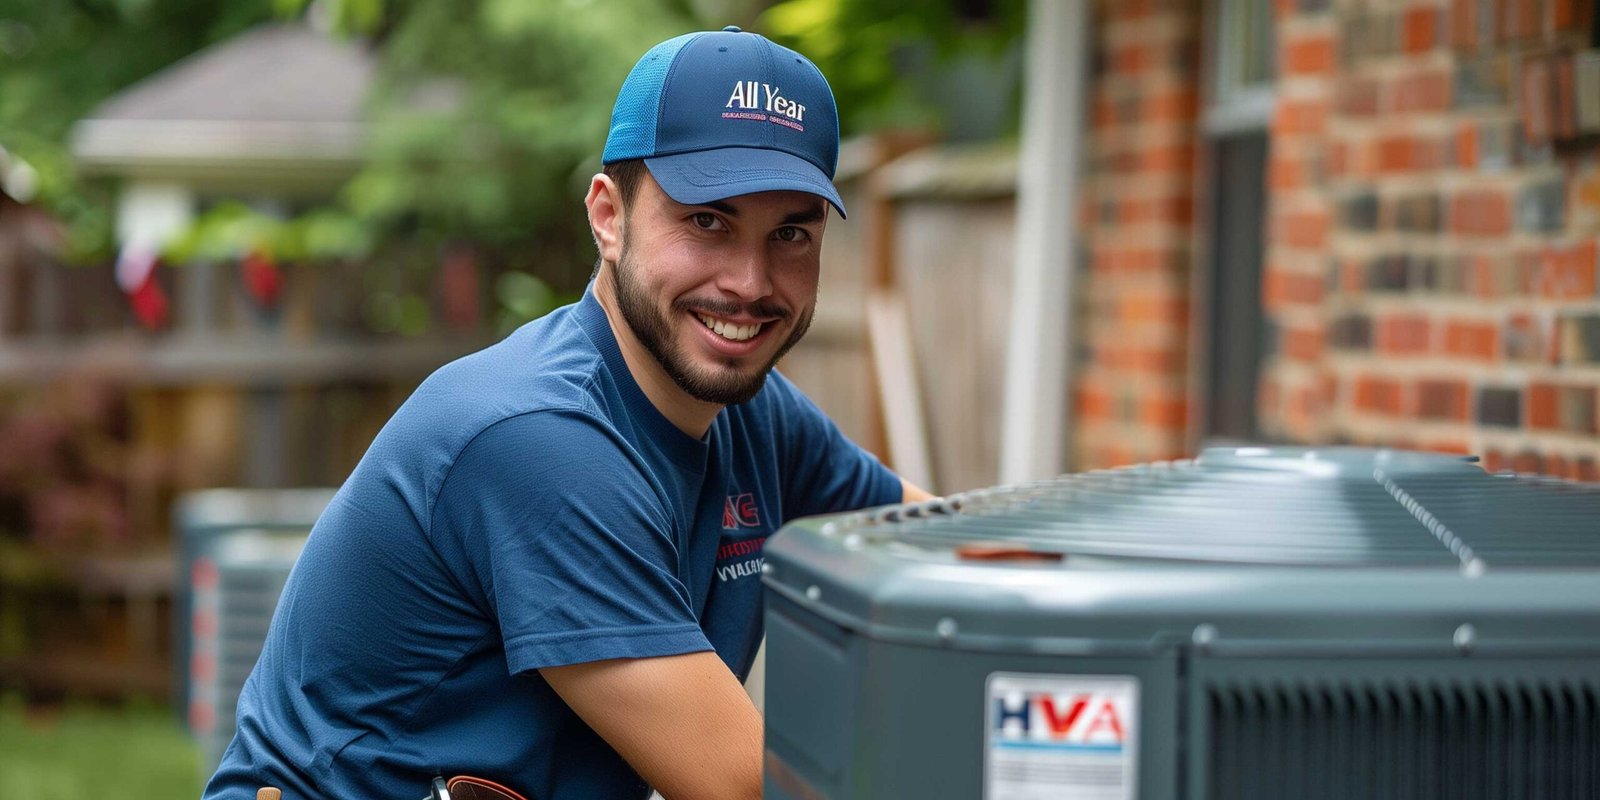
<point x="1061" y="736"/>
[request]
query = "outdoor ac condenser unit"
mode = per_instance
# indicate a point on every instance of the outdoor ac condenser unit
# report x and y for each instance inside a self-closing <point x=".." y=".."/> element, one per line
<point x="236" y="589"/>
<point x="203" y="520"/>
<point x="1256" y="623"/>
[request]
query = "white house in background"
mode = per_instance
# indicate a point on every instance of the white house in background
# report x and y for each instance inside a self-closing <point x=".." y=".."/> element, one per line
<point x="275" y="119"/>
<point x="272" y="116"/>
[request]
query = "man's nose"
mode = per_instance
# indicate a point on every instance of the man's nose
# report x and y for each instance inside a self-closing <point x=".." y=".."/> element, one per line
<point x="747" y="275"/>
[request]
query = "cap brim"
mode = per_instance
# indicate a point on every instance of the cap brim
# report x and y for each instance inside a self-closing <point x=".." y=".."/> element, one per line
<point x="707" y="175"/>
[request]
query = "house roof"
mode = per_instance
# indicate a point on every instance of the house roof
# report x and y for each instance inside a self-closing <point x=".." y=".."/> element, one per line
<point x="279" y="98"/>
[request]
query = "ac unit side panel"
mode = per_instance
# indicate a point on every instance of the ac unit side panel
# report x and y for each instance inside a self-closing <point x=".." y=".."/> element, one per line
<point x="849" y="716"/>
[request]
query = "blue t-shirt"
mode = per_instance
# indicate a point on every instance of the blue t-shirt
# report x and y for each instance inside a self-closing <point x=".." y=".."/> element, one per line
<point x="527" y="507"/>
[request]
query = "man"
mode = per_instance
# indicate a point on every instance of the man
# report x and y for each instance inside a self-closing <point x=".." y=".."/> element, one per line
<point x="541" y="573"/>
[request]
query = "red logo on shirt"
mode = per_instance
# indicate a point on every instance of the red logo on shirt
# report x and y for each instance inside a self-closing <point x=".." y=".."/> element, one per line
<point x="740" y="512"/>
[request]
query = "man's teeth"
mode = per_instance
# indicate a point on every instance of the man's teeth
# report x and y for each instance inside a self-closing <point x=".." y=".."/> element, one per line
<point x="736" y="333"/>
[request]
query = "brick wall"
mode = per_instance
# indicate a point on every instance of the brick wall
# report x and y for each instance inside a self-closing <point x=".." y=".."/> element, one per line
<point x="1137" y="209"/>
<point x="1434" y="232"/>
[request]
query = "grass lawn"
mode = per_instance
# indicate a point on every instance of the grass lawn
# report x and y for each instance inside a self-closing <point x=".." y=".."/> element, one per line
<point x="81" y="752"/>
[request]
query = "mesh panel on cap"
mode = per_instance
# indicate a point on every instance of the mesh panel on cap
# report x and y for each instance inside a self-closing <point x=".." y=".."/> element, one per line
<point x="638" y="110"/>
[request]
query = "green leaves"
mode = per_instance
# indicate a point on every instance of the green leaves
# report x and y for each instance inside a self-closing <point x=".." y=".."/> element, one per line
<point x="531" y="85"/>
<point x="890" y="61"/>
<point x="231" y="230"/>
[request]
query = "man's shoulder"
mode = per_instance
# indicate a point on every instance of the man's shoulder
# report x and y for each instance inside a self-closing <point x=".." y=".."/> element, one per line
<point x="548" y="365"/>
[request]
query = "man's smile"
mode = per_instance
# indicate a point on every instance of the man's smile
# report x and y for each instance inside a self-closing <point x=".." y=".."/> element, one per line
<point x="730" y="330"/>
<point x="735" y="336"/>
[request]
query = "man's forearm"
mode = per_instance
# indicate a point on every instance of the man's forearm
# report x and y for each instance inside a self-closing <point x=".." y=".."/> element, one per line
<point x="683" y="722"/>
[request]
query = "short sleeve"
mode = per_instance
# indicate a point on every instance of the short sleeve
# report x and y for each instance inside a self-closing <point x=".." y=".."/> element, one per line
<point x="824" y="471"/>
<point x="568" y="543"/>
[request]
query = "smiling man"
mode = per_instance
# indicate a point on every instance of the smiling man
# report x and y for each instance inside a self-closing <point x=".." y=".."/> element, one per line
<point x="545" y="570"/>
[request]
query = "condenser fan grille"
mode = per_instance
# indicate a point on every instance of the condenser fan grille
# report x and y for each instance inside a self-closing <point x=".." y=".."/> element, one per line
<point x="1284" y="506"/>
<point x="1403" y="738"/>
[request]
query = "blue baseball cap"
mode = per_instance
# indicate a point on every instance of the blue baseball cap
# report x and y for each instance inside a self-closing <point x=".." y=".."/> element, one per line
<point x="716" y="114"/>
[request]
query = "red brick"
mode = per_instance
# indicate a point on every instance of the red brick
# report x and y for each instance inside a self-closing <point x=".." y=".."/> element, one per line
<point x="1128" y="60"/>
<point x="1177" y="209"/>
<point x="1358" y="158"/>
<point x="1352" y="276"/>
<point x="1147" y="360"/>
<point x="1379" y="395"/>
<point x="1585" y="198"/>
<point x="1303" y="344"/>
<point x="1130" y="10"/>
<point x="1176" y="160"/>
<point x="1451" y="446"/>
<point x="1524" y="337"/>
<point x="1094" y="404"/>
<point x="1286" y="173"/>
<point x="1282" y="288"/>
<point x="1306" y="408"/>
<point x="1396" y="153"/>
<point x="1527" y="271"/>
<point x="1468" y="151"/>
<point x="1119" y="259"/>
<point x="1419" y="29"/>
<point x="1403" y="335"/>
<point x="1544" y="406"/>
<point x="1105" y="113"/>
<point x="1269" y="394"/>
<point x="1307" y="229"/>
<point x="1403" y="153"/>
<point x="1495" y="461"/>
<point x="1423" y="91"/>
<point x="1558" y="466"/>
<point x="1358" y="97"/>
<point x="1569" y="272"/>
<point x="1143" y="309"/>
<point x="1165" y="413"/>
<point x="1527" y="461"/>
<point x="1175" y="105"/>
<point x="1338" y="159"/>
<point x="1586" y="469"/>
<point x="1536" y="100"/>
<point x="1481" y="212"/>
<point x="1471" y="339"/>
<point x="1485" y="276"/>
<point x="1464" y="24"/>
<point x="1444" y="399"/>
<point x="1571" y="15"/>
<point x="1299" y="116"/>
<point x="1309" y="54"/>
<point x="1521" y="19"/>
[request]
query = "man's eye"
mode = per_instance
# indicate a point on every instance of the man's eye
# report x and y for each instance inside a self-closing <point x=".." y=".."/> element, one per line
<point x="789" y="233"/>
<point x="707" y="221"/>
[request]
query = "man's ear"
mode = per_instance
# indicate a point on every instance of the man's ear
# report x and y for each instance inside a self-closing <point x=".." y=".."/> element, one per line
<point x="604" y="203"/>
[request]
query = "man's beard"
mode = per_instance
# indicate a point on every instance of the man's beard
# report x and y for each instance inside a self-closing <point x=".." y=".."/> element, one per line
<point x="728" y="386"/>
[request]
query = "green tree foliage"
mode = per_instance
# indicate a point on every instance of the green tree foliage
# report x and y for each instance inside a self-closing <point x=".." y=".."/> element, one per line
<point x="490" y="114"/>
<point x="58" y="59"/>
<point x="950" y="65"/>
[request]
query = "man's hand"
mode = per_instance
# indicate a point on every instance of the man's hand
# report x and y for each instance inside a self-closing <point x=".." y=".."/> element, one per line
<point x="913" y="494"/>
<point x="683" y="722"/>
